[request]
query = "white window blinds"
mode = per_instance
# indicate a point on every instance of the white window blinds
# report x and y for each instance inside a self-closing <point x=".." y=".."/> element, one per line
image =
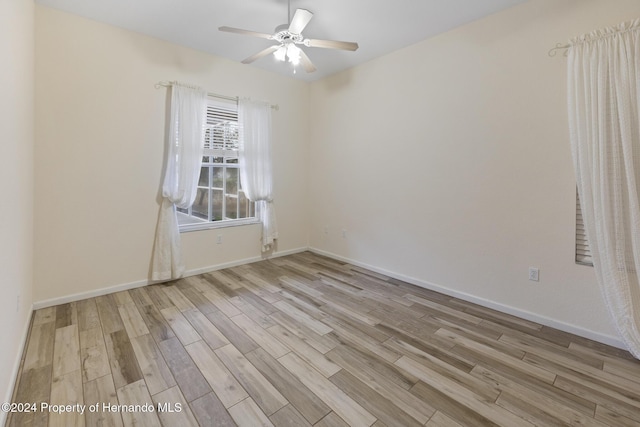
<point x="583" y="252"/>
<point x="221" y="132"/>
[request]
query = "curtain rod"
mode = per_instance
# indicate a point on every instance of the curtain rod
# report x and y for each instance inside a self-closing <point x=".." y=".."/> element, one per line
<point x="214" y="95"/>
<point x="559" y="46"/>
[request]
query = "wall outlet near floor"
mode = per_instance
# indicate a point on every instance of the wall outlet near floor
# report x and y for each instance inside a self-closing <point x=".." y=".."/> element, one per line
<point x="219" y="239"/>
<point x="534" y="274"/>
<point x="344" y="233"/>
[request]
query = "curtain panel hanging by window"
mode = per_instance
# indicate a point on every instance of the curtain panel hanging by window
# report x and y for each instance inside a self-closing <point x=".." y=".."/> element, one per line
<point x="254" y="154"/>
<point x="185" y="145"/>
<point x="603" y="97"/>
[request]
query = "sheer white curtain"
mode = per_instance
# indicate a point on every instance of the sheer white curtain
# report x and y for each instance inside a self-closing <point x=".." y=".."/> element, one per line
<point x="185" y="144"/>
<point x="255" y="164"/>
<point x="603" y="94"/>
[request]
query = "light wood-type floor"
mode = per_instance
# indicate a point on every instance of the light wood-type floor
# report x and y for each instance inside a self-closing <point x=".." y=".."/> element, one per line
<point x="304" y="340"/>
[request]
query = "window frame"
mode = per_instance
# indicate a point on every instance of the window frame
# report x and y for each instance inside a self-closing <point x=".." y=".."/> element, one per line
<point x="218" y="148"/>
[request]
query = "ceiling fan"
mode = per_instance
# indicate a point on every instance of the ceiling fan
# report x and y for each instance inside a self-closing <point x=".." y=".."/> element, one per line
<point x="288" y="36"/>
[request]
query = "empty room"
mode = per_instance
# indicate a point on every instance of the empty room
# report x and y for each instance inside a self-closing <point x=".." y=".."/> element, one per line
<point x="320" y="213"/>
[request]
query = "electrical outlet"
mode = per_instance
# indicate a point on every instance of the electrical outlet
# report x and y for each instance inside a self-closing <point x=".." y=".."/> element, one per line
<point x="344" y="233"/>
<point x="219" y="239"/>
<point x="326" y="229"/>
<point x="534" y="274"/>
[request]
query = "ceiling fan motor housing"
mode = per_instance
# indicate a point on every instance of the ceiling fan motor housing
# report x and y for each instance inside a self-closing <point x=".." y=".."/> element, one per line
<point x="282" y="35"/>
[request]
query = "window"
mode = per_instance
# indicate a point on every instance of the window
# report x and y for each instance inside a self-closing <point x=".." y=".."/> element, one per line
<point x="583" y="252"/>
<point x="220" y="200"/>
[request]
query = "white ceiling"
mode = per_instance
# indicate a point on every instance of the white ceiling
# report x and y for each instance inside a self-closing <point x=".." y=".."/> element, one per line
<point x="378" y="26"/>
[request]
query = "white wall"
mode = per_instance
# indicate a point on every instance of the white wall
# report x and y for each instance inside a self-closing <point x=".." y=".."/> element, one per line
<point x="99" y="153"/>
<point x="16" y="176"/>
<point x="448" y="162"/>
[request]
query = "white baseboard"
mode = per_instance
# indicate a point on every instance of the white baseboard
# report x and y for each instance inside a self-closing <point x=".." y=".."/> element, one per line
<point x="16" y="366"/>
<point x="139" y="283"/>
<point x="543" y="320"/>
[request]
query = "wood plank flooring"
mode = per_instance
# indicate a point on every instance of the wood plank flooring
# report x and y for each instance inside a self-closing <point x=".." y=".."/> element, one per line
<point x="304" y="340"/>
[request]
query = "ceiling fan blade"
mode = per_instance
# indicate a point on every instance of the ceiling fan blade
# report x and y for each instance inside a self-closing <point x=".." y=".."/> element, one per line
<point x="245" y="32"/>
<point x="299" y="21"/>
<point x="331" y="44"/>
<point x="306" y="62"/>
<point x="260" y="54"/>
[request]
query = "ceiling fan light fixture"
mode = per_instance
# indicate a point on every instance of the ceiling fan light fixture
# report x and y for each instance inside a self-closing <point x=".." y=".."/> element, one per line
<point x="281" y="53"/>
<point x="293" y="53"/>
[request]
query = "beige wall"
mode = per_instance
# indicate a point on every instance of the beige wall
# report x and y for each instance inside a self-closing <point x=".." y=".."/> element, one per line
<point x="448" y="162"/>
<point x="99" y="153"/>
<point x="16" y="175"/>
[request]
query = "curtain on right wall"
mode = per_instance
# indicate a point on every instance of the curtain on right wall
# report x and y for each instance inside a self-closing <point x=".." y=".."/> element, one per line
<point x="603" y="94"/>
